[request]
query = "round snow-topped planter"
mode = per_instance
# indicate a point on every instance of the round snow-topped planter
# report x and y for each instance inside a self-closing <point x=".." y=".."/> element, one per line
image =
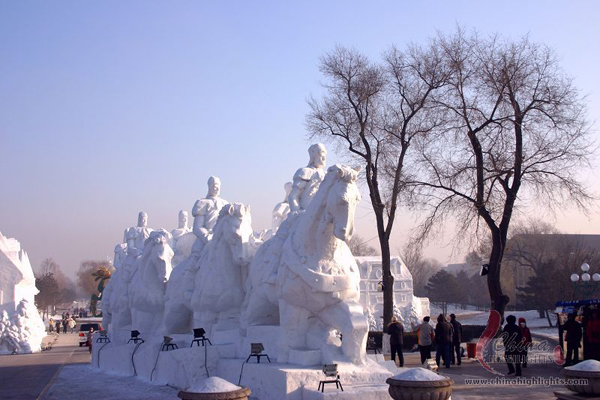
<point x="589" y="370"/>
<point x="419" y="384"/>
<point x="214" y="388"/>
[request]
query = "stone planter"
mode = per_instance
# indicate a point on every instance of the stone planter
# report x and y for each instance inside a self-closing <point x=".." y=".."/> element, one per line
<point x="593" y="378"/>
<point x="241" y="394"/>
<point x="420" y="390"/>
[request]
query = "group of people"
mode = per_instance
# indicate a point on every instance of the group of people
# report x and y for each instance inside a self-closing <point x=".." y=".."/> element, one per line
<point x="517" y="342"/>
<point x="66" y="322"/>
<point x="447" y="336"/>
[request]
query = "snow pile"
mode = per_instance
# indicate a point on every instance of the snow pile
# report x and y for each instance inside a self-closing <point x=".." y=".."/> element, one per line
<point x="23" y="332"/>
<point x="587" y="365"/>
<point x="419" y="374"/>
<point x="214" y="384"/>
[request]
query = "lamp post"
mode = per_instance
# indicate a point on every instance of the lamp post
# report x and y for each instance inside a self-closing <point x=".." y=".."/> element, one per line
<point x="585" y="282"/>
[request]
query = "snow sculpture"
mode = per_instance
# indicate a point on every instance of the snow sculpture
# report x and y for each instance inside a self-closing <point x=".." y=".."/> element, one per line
<point x="183" y="239"/>
<point x="261" y="306"/>
<point x="281" y="210"/>
<point x="307" y="180"/>
<point x="219" y="288"/>
<point x="118" y="295"/>
<point x="178" y="314"/>
<point x="316" y="276"/>
<point x="148" y="285"/>
<point x="136" y="236"/>
<point x="206" y="212"/>
<point x="407" y="307"/>
<point x="21" y="327"/>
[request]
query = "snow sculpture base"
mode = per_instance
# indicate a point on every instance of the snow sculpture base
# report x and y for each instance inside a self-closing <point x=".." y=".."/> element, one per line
<point x="185" y="367"/>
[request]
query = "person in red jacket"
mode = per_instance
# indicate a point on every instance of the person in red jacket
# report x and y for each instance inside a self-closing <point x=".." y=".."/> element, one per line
<point x="526" y="339"/>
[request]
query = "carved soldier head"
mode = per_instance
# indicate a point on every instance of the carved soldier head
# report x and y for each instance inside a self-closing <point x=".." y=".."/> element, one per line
<point x="142" y="219"/>
<point x="183" y="219"/>
<point x="318" y="155"/>
<point x="214" y="187"/>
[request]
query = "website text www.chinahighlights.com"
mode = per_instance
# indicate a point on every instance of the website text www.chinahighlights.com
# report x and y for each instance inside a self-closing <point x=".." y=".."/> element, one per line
<point x="525" y="381"/>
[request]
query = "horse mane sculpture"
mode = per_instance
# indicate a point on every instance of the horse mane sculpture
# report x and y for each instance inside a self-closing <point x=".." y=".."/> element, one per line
<point x="219" y="287"/>
<point x="148" y="285"/>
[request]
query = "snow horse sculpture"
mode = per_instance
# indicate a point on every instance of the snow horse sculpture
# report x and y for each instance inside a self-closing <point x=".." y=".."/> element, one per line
<point x="149" y="283"/>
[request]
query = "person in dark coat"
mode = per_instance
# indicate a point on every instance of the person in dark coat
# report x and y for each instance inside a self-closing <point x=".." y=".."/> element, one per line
<point x="573" y="332"/>
<point x="65" y="325"/>
<point x="527" y="341"/>
<point x="443" y="340"/>
<point x="592" y="332"/>
<point x="456" y="339"/>
<point x="58" y="323"/>
<point x="512" y="339"/>
<point x="396" y="332"/>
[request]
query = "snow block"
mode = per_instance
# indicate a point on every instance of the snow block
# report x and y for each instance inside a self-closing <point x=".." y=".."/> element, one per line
<point x="284" y="381"/>
<point x="305" y="357"/>
<point x="351" y="392"/>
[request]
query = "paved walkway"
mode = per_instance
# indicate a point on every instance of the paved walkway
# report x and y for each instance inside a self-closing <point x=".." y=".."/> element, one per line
<point x="28" y="376"/>
<point x="471" y="369"/>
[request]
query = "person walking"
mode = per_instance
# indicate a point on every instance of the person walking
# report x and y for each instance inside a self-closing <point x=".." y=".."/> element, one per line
<point x="513" y="344"/>
<point x="573" y="333"/>
<point x="527" y="341"/>
<point x="443" y="340"/>
<point x="51" y="325"/>
<point x="425" y="339"/>
<point x="72" y="324"/>
<point x="58" y="323"/>
<point x="65" y="324"/>
<point x="396" y="332"/>
<point x="90" y="335"/>
<point x="456" y="340"/>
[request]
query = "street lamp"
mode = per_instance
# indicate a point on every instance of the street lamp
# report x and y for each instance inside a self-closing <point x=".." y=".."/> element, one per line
<point x="589" y="283"/>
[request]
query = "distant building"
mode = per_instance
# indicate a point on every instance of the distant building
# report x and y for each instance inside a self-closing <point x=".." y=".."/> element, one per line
<point x="371" y="297"/>
<point x="521" y="248"/>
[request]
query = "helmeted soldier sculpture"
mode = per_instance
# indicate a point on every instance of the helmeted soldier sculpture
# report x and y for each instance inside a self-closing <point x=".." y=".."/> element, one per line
<point x="307" y="180"/>
<point x="205" y="213"/>
<point x="182" y="239"/>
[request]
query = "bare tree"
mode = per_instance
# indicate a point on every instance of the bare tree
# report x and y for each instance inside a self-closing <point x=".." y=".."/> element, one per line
<point x="360" y="248"/>
<point x="516" y="129"/>
<point x="372" y="112"/>
<point x="421" y="268"/>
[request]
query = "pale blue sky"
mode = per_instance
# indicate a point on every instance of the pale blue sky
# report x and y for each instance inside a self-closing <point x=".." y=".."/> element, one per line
<point x="108" y="108"/>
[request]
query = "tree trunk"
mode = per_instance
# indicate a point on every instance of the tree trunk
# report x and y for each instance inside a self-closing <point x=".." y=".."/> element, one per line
<point x="498" y="299"/>
<point x="388" y="281"/>
<point x="548" y="318"/>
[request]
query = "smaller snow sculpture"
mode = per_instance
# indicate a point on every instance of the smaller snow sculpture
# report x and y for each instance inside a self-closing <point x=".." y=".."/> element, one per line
<point x="281" y="210"/>
<point x="23" y="333"/>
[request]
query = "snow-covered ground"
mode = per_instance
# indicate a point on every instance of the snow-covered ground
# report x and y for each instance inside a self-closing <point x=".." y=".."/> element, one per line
<point x="79" y="381"/>
<point x="470" y="316"/>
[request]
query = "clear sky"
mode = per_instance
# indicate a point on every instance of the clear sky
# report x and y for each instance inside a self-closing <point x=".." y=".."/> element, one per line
<point x="108" y="108"/>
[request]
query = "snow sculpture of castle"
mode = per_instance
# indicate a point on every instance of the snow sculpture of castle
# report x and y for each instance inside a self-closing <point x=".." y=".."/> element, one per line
<point x="407" y="307"/>
<point x="21" y="327"/>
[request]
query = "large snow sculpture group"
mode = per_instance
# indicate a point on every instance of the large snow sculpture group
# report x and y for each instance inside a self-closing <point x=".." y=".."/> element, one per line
<point x="304" y="278"/>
